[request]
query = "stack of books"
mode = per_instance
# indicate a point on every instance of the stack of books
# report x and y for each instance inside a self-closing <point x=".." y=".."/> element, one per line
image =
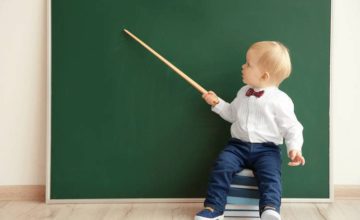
<point x="243" y="197"/>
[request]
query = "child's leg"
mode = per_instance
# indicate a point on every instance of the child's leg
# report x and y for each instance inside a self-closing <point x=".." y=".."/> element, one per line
<point x="230" y="161"/>
<point x="266" y="162"/>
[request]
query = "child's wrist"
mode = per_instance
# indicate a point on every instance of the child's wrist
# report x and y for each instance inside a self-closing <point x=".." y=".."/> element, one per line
<point x="215" y="102"/>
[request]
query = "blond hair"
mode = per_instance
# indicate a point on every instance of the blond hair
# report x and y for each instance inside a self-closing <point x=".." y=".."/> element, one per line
<point x="274" y="58"/>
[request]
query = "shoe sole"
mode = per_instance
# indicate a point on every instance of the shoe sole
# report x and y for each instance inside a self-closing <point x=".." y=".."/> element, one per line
<point x="269" y="216"/>
<point x="216" y="218"/>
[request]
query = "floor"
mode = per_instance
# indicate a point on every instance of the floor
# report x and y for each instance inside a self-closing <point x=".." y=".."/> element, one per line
<point x="32" y="210"/>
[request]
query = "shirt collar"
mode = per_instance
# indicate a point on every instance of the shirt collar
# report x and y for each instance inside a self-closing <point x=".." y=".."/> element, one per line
<point x="270" y="88"/>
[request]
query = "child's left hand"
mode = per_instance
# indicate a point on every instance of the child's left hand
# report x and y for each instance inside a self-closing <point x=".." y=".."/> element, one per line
<point x="296" y="158"/>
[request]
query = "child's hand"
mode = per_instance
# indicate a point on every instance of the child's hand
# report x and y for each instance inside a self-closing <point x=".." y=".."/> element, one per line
<point x="296" y="158"/>
<point x="211" y="98"/>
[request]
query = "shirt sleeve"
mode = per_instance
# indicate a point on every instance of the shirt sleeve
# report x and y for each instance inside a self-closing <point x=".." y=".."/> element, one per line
<point x="227" y="110"/>
<point x="290" y="128"/>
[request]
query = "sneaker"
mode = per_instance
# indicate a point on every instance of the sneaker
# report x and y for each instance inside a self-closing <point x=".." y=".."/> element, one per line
<point x="209" y="214"/>
<point x="270" y="215"/>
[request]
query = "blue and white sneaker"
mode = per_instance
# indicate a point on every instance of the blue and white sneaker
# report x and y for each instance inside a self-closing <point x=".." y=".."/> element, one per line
<point x="209" y="214"/>
<point x="270" y="215"/>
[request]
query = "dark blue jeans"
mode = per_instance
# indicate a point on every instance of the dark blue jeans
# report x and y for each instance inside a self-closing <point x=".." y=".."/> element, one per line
<point x="263" y="158"/>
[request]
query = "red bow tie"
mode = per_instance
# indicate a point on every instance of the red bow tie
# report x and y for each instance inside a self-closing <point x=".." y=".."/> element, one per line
<point x="251" y="92"/>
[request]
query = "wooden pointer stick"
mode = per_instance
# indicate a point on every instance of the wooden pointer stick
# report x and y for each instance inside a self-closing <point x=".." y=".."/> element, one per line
<point x="181" y="73"/>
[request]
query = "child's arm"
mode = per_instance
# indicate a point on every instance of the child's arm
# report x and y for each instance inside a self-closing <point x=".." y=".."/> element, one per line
<point x="291" y="129"/>
<point x="224" y="109"/>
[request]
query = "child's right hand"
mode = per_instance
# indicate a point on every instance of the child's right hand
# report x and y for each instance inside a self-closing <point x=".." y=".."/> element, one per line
<point x="211" y="98"/>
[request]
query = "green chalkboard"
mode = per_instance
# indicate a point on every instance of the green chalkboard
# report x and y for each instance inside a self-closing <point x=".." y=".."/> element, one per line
<point x="123" y="125"/>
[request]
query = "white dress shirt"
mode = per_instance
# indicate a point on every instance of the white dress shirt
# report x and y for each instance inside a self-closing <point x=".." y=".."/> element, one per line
<point x="269" y="118"/>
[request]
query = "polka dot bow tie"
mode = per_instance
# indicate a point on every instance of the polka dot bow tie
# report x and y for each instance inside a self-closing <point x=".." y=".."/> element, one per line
<point x="251" y="92"/>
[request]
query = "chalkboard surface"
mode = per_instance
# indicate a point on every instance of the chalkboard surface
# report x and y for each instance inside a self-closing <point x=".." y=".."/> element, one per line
<point x="123" y="125"/>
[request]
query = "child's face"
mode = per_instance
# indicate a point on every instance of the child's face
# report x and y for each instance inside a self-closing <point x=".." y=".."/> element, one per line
<point x="252" y="73"/>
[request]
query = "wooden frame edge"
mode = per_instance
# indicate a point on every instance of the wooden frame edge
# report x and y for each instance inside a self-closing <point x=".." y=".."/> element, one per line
<point x="37" y="192"/>
<point x="48" y="113"/>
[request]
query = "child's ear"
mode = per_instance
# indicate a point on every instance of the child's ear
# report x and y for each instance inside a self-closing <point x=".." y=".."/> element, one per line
<point x="266" y="76"/>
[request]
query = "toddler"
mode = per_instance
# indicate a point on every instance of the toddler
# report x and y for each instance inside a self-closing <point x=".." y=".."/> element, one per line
<point x="262" y="116"/>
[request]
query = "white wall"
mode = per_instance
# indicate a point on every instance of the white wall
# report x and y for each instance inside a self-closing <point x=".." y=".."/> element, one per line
<point x="23" y="91"/>
<point x="346" y="91"/>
